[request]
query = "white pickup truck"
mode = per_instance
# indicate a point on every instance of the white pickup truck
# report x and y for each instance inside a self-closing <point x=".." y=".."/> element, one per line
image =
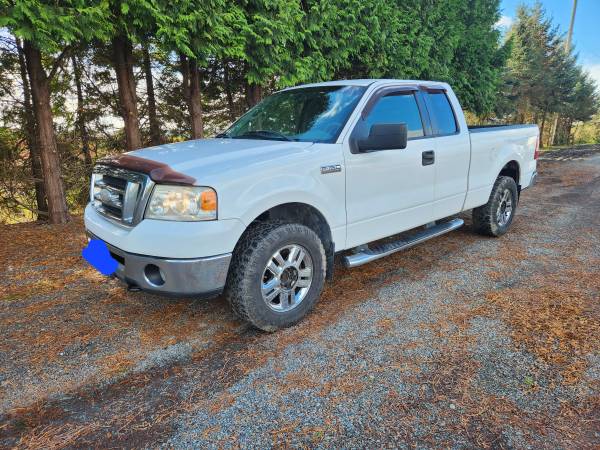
<point x="260" y="211"/>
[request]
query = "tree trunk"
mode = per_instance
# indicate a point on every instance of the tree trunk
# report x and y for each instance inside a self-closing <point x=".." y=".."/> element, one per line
<point x="253" y="94"/>
<point x="80" y="122"/>
<point x="191" y="91"/>
<point x="195" y="101"/>
<point x="561" y="132"/>
<point x="228" y="93"/>
<point x="123" y="62"/>
<point x="30" y="134"/>
<point x="155" y="135"/>
<point x="555" y="118"/>
<point x="542" y="130"/>
<point x="40" y="91"/>
<point x="570" y="137"/>
<point x="184" y="67"/>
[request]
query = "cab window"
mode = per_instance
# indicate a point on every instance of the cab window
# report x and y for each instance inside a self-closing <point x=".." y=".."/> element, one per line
<point x="442" y="115"/>
<point x="398" y="107"/>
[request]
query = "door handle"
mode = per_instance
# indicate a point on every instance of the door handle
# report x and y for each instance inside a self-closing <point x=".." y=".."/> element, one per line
<point x="428" y="157"/>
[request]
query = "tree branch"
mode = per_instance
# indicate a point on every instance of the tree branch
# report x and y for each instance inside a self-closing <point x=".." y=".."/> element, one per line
<point x="58" y="62"/>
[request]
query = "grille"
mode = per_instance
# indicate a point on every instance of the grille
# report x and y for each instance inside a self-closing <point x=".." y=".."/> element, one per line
<point x="119" y="194"/>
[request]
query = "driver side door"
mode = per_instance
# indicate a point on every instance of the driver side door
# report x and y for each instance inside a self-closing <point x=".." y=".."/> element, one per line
<point x="390" y="191"/>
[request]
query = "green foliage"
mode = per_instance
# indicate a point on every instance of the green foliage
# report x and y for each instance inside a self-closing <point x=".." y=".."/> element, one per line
<point x="135" y="19"/>
<point x="584" y="100"/>
<point x="51" y="25"/>
<point x="543" y="78"/>
<point x="478" y="60"/>
<point x="273" y="37"/>
<point x="587" y="132"/>
<point x="363" y="39"/>
<point x="449" y="40"/>
<point x="201" y="29"/>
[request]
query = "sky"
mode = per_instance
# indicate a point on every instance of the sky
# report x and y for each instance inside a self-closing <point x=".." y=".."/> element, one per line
<point x="586" y="32"/>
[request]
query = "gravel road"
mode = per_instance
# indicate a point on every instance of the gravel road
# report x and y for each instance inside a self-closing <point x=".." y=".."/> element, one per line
<point x="461" y="342"/>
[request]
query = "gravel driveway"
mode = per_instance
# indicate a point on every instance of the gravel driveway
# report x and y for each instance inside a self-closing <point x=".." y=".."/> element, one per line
<point x="462" y="342"/>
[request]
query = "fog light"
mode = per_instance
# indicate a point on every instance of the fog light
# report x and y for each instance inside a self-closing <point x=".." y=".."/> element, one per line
<point x="154" y="275"/>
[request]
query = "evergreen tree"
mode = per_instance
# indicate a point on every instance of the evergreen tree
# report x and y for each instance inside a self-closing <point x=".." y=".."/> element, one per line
<point x="272" y="36"/>
<point x="133" y="22"/>
<point x="476" y="67"/>
<point x="542" y="77"/>
<point x="199" y="31"/>
<point x="48" y="30"/>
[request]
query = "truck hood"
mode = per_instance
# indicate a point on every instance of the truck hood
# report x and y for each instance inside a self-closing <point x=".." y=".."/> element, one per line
<point x="207" y="158"/>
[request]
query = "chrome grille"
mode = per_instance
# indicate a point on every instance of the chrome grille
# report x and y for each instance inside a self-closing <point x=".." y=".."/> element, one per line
<point x="120" y="194"/>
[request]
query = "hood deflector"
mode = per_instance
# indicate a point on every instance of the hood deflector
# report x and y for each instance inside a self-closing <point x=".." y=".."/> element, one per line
<point x="158" y="172"/>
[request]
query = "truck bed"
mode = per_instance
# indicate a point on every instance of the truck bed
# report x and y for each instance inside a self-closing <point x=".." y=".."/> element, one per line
<point x="490" y="147"/>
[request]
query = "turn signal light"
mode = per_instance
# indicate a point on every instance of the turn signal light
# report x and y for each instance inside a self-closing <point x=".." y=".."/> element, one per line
<point x="208" y="201"/>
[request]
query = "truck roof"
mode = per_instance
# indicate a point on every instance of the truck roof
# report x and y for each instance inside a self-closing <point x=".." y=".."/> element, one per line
<point x="368" y="82"/>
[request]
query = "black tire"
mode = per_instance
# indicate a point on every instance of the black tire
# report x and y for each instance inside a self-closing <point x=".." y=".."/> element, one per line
<point x="253" y="252"/>
<point x="485" y="218"/>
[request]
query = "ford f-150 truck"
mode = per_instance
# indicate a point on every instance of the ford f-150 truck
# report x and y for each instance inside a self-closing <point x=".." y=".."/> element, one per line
<point x="362" y="168"/>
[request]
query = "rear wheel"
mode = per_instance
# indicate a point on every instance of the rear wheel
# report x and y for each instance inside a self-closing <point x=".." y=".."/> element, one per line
<point x="276" y="275"/>
<point x="495" y="217"/>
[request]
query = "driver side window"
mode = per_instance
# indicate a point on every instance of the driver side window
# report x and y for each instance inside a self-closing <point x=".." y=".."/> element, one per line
<point x="397" y="108"/>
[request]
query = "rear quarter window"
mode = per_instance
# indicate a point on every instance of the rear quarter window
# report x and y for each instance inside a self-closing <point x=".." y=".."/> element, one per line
<point x="444" y="121"/>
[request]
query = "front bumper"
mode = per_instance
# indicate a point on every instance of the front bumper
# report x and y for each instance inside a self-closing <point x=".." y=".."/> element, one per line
<point x="167" y="239"/>
<point x="171" y="276"/>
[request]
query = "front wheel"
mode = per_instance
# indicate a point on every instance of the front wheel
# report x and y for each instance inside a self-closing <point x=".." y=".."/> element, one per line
<point x="276" y="275"/>
<point x="495" y="217"/>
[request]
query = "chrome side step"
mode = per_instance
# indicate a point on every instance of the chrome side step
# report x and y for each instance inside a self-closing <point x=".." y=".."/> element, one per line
<point x="369" y="254"/>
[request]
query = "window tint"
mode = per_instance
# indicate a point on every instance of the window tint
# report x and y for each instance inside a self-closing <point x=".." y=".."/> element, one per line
<point x="398" y="108"/>
<point x="442" y="115"/>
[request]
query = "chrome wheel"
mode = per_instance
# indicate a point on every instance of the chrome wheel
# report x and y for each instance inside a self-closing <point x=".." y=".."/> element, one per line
<point x="287" y="278"/>
<point x="505" y="208"/>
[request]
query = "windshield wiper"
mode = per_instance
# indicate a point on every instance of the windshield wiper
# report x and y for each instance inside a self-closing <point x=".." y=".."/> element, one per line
<point x="223" y="135"/>
<point x="265" y="134"/>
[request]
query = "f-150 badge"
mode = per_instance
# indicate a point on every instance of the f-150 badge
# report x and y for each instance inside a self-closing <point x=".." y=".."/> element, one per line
<point x="331" y="168"/>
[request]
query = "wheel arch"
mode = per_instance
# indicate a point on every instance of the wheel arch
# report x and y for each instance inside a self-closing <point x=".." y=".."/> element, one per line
<point x="305" y="214"/>
<point x="512" y="169"/>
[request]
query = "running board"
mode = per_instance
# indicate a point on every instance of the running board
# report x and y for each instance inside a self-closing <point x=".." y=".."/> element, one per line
<point x="379" y="251"/>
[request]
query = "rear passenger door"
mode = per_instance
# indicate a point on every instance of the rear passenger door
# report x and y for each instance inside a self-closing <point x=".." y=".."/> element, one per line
<point x="452" y="154"/>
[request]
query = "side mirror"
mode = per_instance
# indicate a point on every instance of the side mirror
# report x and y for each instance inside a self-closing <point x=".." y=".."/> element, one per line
<point x="384" y="136"/>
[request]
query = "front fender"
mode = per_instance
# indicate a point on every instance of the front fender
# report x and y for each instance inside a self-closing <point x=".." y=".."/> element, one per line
<point x="298" y="180"/>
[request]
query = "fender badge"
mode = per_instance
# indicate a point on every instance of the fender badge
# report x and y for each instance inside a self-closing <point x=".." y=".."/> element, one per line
<point x="331" y="169"/>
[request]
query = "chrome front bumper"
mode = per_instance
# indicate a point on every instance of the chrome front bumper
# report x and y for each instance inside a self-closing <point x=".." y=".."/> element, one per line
<point x="195" y="277"/>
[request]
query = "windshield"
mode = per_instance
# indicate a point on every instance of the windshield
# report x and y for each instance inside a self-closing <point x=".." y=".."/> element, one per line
<point x="312" y="114"/>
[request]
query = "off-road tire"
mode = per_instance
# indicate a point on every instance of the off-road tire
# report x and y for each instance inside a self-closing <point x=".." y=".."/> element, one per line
<point x="485" y="217"/>
<point x="250" y="257"/>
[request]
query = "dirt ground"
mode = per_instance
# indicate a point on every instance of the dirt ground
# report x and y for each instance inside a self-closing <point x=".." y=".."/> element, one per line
<point x="462" y="342"/>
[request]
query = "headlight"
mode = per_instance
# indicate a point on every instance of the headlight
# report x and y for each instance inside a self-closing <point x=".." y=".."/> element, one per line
<point x="183" y="203"/>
